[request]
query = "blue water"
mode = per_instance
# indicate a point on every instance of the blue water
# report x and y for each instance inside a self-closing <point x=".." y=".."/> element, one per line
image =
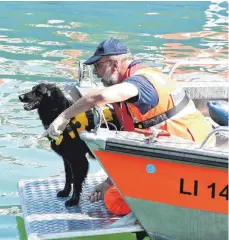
<point x="45" y="41"/>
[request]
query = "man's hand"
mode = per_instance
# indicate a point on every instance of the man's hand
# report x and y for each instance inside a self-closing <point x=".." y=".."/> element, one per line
<point x="56" y="127"/>
<point x="99" y="191"/>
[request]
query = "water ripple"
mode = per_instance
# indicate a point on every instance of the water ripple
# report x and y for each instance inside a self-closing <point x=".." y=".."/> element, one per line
<point x="9" y="211"/>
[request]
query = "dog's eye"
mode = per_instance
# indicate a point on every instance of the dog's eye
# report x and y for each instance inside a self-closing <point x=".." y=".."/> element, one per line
<point x="39" y="93"/>
<point x="40" y="90"/>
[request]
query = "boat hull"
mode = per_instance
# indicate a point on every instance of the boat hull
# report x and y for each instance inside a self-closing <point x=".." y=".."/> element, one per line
<point x="172" y="199"/>
<point x="176" y="189"/>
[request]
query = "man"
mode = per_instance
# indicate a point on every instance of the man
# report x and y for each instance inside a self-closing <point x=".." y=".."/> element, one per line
<point x="142" y="97"/>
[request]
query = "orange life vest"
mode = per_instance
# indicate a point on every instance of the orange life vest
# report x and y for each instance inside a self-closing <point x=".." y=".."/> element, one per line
<point x="174" y="113"/>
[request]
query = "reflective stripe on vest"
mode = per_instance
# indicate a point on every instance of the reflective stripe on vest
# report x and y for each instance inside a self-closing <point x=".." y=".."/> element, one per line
<point x="164" y="116"/>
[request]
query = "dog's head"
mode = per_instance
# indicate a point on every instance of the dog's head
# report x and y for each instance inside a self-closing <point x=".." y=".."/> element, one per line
<point x="39" y="93"/>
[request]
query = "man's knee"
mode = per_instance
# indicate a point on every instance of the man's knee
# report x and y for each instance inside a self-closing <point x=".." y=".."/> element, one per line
<point x="115" y="203"/>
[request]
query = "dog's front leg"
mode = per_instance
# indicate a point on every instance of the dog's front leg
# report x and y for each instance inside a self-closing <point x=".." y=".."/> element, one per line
<point x="79" y="168"/>
<point x="68" y="180"/>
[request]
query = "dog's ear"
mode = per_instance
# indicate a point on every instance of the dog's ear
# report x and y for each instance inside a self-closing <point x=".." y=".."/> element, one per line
<point x="50" y="89"/>
<point x="49" y="93"/>
<point x="42" y="89"/>
<point x="47" y="89"/>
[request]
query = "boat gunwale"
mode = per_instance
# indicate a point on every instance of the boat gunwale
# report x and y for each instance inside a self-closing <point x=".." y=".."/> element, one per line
<point x="169" y="153"/>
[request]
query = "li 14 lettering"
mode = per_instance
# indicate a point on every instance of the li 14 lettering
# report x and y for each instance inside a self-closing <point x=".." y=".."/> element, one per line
<point x="214" y="191"/>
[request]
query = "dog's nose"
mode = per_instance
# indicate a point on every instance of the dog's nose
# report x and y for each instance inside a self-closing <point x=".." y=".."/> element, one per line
<point x="21" y="97"/>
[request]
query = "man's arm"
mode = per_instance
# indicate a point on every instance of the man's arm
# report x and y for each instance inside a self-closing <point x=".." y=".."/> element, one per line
<point x="117" y="93"/>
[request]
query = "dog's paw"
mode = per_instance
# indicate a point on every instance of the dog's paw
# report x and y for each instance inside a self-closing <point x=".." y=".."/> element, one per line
<point x="72" y="202"/>
<point x="63" y="193"/>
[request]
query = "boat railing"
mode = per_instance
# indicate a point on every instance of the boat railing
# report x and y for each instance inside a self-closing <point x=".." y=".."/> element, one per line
<point x="214" y="131"/>
<point x="86" y="70"/>
<point x="195" y="89"/>
<point x="196" y="62"/>
<point x="200" y="90"/>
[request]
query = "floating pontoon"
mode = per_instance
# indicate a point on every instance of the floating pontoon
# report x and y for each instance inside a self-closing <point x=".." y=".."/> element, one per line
<point x="46" y="217"/>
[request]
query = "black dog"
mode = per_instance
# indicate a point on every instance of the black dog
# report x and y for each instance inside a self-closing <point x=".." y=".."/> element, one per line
<point x="50" y="101"/>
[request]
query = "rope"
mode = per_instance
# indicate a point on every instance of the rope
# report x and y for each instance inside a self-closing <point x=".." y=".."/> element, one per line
<point x="99" y="114"/>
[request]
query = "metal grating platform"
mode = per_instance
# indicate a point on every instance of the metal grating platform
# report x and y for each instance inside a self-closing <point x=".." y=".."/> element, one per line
<point x="46" y="216"/>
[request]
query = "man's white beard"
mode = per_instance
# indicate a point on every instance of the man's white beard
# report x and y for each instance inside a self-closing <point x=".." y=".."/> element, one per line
<point x="109" y="79"/>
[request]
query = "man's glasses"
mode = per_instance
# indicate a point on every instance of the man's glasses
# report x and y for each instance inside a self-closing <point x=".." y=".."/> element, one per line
<point x="96" y="65"/>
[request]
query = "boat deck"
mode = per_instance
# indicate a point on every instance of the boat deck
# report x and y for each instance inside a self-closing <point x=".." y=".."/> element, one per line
<point x="46" y="216"/>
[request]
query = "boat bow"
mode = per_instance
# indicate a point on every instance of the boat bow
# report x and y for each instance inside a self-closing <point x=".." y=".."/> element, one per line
<point x="176" y="189"/>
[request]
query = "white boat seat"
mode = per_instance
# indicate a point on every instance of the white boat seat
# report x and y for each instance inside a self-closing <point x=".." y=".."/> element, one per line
<point x="46" y="216"/>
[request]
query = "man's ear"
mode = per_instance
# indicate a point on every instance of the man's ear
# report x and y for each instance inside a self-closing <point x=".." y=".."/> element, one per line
<point x="115" y="65"/>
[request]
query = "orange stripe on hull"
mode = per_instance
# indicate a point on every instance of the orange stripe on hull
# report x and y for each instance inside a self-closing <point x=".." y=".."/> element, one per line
<point x="183" y="185"/>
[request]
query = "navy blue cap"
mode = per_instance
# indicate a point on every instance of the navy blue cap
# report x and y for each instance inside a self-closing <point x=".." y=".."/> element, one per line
<point x="110" y="46"/>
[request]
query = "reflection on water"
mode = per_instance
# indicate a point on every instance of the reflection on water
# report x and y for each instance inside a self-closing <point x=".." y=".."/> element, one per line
<point x="45" y="40"/>
<point x="204" y="35"/>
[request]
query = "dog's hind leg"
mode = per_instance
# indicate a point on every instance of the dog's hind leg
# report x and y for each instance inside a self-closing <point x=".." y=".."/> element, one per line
<point x="79" y="171"/>
<point x="68" y="180"/>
